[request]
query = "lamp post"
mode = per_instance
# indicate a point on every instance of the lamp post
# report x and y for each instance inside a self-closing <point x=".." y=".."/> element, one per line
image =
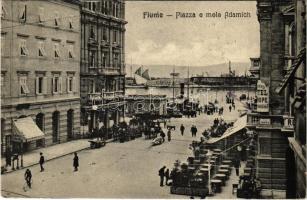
<point x="208" y="96"/>
<point x="209" y="154"/>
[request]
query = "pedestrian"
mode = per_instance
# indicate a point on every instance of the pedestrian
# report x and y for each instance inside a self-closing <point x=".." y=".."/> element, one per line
<point x="41" y="161"/>
<point x="101" y="133"/>
<point x="237" y="165"/>
<point x="162" y="174"/>
<point x="166" y="176"/>
<point x="28" y="177"/>
<point x="169" y="135"/>
<point x="230" y="108"/>
<point x="192" y="130"/>
<point x="195" y="131"/>
<point x="162" y="134"/>
<point x="76" y="162"/>
<point x="8" y="157"/>
<point x="234" y="106"/>
<point x="182" y="129"/>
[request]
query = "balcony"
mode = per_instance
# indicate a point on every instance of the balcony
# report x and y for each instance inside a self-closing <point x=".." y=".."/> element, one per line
<point x="109" y="71"/>
<point x="105" y="43"/>
<point x="98" y="97"/>
<point x="119" y="94"/>
<point x="94" y="96"/>
<point x="92" y="41"/>
<point x="108" y="95"/>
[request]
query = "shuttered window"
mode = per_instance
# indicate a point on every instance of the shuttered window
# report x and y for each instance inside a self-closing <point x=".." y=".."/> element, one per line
<point x="23" y="85"/>
<point x="41" y="49"/>
<point x="41" y="15"/>
<point x="23" y="13"/>
<point x="23" y="48"/>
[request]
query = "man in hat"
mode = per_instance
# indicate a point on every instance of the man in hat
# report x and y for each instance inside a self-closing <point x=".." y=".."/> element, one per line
<point x="41" y="161"/>
<point x="162" y="174"/>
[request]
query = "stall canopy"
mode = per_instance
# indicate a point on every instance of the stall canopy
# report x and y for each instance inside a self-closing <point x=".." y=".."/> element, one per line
<point x="25" y="130"/>
<point x="237" y="126"/>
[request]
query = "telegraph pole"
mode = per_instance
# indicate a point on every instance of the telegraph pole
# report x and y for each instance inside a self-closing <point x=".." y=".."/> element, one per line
<point x="173" y="74"/>
<point x="188" y="84"/>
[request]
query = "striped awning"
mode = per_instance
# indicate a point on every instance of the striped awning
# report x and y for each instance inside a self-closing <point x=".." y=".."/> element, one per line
<point x="26" y="130"/>
<point x="290" y="74"/>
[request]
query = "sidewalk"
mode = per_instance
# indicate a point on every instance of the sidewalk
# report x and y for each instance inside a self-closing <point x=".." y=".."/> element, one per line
<point x="50" y="153"/>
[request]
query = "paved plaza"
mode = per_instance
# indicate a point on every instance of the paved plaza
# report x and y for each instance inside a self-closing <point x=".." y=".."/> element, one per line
<point x="118" y="170"/>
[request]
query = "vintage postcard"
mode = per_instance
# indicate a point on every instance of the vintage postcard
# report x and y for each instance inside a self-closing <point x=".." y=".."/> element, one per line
<point x="133" y="99"/>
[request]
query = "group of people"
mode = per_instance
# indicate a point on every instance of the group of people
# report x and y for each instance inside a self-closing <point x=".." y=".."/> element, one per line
<point x="28" y="173"/>
<point x="169" y="135"/>
<point x="164" y="173"/>
<point x="193" y="130"/>
<point x="217" y="129"/>
<point x="232" y="106"/>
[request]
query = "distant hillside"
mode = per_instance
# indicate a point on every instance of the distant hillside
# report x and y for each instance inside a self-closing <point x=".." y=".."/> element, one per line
<point x="213" y="70"/>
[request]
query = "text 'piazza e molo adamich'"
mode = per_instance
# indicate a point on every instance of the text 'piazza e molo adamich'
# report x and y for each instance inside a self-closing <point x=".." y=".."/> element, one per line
<point x="181" y="15"/>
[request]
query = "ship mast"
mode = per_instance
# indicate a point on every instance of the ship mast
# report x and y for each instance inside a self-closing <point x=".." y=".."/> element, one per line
<point x="173" y="74"/>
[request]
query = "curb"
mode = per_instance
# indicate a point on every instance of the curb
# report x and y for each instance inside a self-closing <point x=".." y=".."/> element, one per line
<point x="60" y="156"/>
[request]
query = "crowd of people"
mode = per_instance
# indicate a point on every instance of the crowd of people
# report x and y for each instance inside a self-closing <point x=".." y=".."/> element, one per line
<point x="217" y="129"/>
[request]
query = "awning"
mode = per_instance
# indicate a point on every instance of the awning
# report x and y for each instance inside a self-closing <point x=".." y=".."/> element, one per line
<point x="237" y="126"/>
<point x="298" y="60"/>
<point x="25" y="130"/>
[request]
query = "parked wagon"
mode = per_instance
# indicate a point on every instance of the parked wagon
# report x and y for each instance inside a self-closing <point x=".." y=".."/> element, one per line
<point x="95" y="143"/>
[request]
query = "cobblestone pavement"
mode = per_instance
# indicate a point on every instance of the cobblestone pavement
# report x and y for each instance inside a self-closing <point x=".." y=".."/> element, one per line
<point x="118" y="170"/>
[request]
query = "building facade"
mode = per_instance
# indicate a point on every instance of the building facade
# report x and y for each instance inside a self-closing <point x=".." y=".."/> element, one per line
<point x="102" y="62"/>
<point x="272" y="119"/>
<point x="40" y="42"/>
<point x="293" y="87"/>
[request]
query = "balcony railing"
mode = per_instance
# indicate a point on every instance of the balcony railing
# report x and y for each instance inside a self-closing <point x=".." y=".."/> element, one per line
<point x="94" y="96"/>
<point x="119" y="93"/>
<point x="105" y="95"/>
<point x="108" y="95"/>
<point x="109" y="71"/>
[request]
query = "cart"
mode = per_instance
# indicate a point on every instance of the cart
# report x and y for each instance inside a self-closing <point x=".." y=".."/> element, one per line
<point x="95" y="143"/>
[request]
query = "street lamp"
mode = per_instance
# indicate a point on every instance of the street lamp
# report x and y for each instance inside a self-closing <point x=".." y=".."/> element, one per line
<point x="209" y="154"/>
<point x="208" y="96"/>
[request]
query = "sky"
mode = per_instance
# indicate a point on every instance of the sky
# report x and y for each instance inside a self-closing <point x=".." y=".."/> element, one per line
<point x="190" y="41"/>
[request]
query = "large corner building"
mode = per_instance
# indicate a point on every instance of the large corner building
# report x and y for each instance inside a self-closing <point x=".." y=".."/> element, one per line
<point x="102" y="62"/>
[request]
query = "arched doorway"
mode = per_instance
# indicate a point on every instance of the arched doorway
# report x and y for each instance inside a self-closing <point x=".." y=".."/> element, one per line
<point x="55" y="126"/>
<point x="40" y="119"/>
<point x="70" y="124"/>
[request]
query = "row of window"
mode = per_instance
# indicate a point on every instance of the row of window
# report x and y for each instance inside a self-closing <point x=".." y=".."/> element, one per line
<point x="105" y="7"/>
<point x="116" y="34"/>
<point x="104" y="59"/>
<point x="41" y="84"/>
<point x="111" y="85"/>
<point x="23" y="50"/>
<point x="56" y="20"/>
